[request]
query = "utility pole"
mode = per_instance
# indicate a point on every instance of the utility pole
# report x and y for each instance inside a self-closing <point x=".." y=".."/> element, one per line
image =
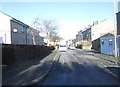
<point x="115" y="28"/>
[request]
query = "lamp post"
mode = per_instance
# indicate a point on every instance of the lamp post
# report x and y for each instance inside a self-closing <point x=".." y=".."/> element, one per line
<point x="115" y="29"/>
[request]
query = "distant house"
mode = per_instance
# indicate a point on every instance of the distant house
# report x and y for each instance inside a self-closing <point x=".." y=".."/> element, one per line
<point x="38" y="39"/>
<point x="79" y="38"/>
<point x="48" y="42"/>
<point x="86" y="42"/>
<point x="91" y="36"/>
<point x="14" y="31"/>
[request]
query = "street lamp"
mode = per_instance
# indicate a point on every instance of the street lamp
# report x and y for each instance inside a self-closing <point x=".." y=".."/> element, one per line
<point x="115" y="29"/>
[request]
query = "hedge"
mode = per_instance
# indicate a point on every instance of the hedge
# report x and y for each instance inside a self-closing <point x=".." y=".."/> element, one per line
<point x="12" y="54"/>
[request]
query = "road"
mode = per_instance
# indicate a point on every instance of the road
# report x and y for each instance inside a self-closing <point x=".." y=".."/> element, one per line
<point x="77" y="67"/>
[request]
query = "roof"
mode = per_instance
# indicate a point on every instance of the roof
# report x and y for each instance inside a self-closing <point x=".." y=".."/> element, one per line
<point x="106" y="35"/>
<point x="118" y="36"/>
<point x="6" y="14"/>
<point x="15" y="20"/>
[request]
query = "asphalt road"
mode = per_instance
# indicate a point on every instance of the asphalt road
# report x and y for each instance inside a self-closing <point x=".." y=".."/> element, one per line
<point x="77" y="67"/>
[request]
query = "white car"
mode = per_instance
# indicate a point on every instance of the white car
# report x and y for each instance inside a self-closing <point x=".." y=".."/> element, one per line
<point x="72" y="47"/>
<point x="62" y="48"/>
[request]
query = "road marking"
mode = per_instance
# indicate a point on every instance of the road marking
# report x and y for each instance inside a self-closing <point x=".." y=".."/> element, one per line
<point x="63" y="60"/>
<point x="55" y="56"/>
<point x="74" y="57"/>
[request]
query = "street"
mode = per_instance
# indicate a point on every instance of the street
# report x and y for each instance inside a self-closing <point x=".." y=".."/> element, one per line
<point x="77" y="67"/>
<point x="60" y="43"/>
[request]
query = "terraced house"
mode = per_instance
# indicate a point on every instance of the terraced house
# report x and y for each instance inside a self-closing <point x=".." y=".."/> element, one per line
<point x="13" y="31"/>
<point x="92" y="34"/>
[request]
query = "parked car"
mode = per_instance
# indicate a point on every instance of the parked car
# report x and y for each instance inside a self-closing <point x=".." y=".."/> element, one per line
<point x="72" y="47"/>
<point x="62" y="48"/>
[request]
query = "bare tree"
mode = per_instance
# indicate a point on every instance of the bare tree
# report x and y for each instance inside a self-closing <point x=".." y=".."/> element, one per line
<point x="34" y="33"/>
<point x="36" y="28"/>
<point x="50" y="27"/>
<point x="53" y="37"/>
<point x="56" y="39"/>
<point x="47" y="26"/>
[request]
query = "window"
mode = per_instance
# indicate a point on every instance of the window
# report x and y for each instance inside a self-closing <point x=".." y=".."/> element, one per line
<point x="110" y="42"/>
<point x="102" y="42"/>
<point x="23" y="29"/>
<point x="62" y="45"/>
<point x="15" y="30"/>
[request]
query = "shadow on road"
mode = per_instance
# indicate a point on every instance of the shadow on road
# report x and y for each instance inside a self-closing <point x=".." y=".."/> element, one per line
<point x="115" y="71"/>
<point x="25" y="71"/>
<point x="69" y="72"/>
<point x="74" y="73"/>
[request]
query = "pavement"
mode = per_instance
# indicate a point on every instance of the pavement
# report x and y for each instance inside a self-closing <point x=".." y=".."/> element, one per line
<point x="110" y="58"/>
<point x="32" y="74"/>
<point x="112" y="64"/>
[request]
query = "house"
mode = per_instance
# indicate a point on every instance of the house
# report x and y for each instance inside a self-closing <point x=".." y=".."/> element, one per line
<point x="79" y="38"/>
<point x="13" y="31"/>
<point x="86" y="42"/>
<point x="33" y="37"/>
<point x="98" y="30"/>
<point x="107" y="41"/>
<point x="18" y="32"/>
<point x="107" y="44"/>
<point x="90" y="38"/>
<point x="46" y="40"/>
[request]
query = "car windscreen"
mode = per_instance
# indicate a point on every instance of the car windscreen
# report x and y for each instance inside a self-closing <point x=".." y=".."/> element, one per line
<point x="62" y="45"/>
